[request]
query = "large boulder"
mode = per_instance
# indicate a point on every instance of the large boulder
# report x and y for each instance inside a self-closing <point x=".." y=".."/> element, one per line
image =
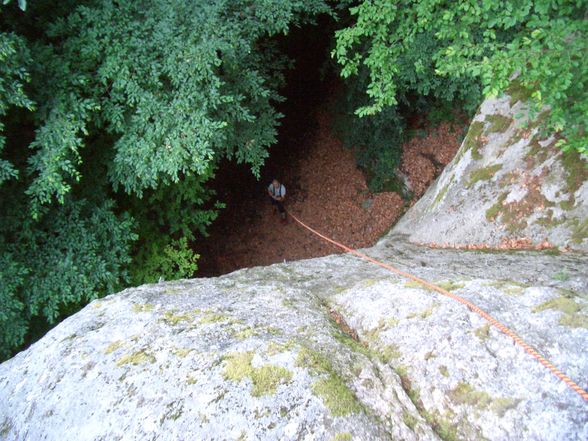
<point x="330" y="348"/>
<point x="508" y="184"/>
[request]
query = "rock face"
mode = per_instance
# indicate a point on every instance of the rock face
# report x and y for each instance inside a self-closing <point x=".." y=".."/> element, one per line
<point x="337" y="348"/>
<point x="508" y="182"/>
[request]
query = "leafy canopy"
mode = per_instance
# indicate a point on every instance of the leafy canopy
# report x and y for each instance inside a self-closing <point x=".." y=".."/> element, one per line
<point x="113" y="117"/>
<point x="178" y="83"/>
<point x="544" y="42"/>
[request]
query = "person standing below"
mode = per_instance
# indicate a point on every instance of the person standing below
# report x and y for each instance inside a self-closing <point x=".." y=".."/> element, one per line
<point x="277" y="193"/>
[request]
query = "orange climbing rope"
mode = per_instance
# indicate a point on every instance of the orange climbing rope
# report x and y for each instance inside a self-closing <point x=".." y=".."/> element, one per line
<point x="558" y="373"/>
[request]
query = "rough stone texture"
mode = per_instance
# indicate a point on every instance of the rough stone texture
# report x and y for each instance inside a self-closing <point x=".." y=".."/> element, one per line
<point x="336" y="348"/>
<point x="507" y="181"/>
<point x="152" y="362"/>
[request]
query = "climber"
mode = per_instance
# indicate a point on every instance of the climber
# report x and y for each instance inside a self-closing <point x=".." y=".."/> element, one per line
<point x="277" y="193"/>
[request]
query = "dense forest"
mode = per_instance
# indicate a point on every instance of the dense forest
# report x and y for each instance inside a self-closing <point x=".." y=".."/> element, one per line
<point x="115" y="116"/>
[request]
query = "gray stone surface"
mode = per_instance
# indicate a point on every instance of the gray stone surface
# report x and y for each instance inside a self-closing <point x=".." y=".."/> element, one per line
<point x="507" y="181"/>
<point x="158" y="361"/>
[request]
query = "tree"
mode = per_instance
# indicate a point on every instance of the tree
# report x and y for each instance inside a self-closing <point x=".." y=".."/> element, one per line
<point x="543" y="42"/>
<point x="131" y="106"/>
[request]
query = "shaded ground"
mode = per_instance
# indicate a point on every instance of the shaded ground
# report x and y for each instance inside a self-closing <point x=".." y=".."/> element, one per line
<point x="324" y="186"/>
<point x="325" y="189"/>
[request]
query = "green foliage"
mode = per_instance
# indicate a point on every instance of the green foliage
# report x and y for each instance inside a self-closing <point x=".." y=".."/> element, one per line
<point x="176" y="209"/>
<point x="14" y="59"/>
<point x="376" y="140"/>
<point x="132" y="106"/>
<point x="543" y="42"/>
<point x="410" y="91"/>
<point x="168" y="260"/>
<point x="13" y="326"/>
<point x="179" y="84"/>
<point x="51" y="267"/>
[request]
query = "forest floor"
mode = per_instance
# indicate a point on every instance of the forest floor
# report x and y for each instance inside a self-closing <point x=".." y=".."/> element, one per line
<point x="327" y="191"/>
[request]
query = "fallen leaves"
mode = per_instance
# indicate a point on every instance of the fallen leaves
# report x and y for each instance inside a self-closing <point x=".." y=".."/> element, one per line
<point x="517" y="243"/>
<point x="327" y="191"/>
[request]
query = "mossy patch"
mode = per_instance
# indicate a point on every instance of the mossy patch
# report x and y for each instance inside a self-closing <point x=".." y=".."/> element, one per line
<point x="336" y="396"/>
<point x="579" y="230"/>
<point x="190" y="380"/>
<point x="265" y="379"/>
<point x="442" y="193"/>
<point x="412" y="392"/>
<point x="518" y="92"/>
<point x="354" y="345"/>
<point x="171" y="318"/>
<point x="5" y="427"/>
<point x="464" y="393"/>
<point x="510" y="287"/>
<point x="562" y="276"/>
<point x="113" y="347"/>
<point x="416" y="285"/>
<point x="409" y="420"/>
<point x="145" y="307"/>
<point x="389" y="353"/>
<point x="313" y="361"/>
<point x="493" y="212"/>
<point x="548" y="221"/>
<point x="501" y="405"/>
<point x="483" y="332"/>
<point x="450" y="285"/>
<point x="563" y="304"/>
<point x="444" y="371"/>
<point x="136" y="358"/>
<point x="442" y="426"/>
<point x="424" y="313"/>
<point x="392" y="322"/>
<point x="245" y="333"/>
<point x="576" y="170"/>
<point x="342" y="436"/>
<point x="274" y="347"/>
<point x="213" y="317"/>
<point x="498" y="123"/>
<point x="483" y="174"/>
<point x="568" y="204"/>
<point x="473" y="139"/>
<point x="573" y="315"/>
<point x="181" y="352"/>
<point x="515" y="215"/>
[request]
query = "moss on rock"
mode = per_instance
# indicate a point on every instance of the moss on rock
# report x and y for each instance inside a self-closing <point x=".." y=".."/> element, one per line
<point x="464" y="393"/>
<point x="265" y="379"/>
<point x="145" y="307"/>
<point x="518" y="92"/>
<point x="573" y="315"/>
<point x="483" y="174"/>
<point x="343" y="436"/>
<point x="498" y="123"/>
<point x="579" y="230"/>
<point x="136" y="358"/>
<point x="493" y="212"/>
<point x="336" y="396"/>
<point x="483" y="332"/>
<point x="472" y="140"/>
<point x="113" y="347"/>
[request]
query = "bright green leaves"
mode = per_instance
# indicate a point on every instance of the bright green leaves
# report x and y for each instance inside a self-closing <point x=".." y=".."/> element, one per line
<point x="543" y="42"/>
<point x="179" y="84"/>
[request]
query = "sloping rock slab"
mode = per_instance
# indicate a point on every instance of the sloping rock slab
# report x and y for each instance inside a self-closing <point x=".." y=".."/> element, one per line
<point x="322" y="349"/>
